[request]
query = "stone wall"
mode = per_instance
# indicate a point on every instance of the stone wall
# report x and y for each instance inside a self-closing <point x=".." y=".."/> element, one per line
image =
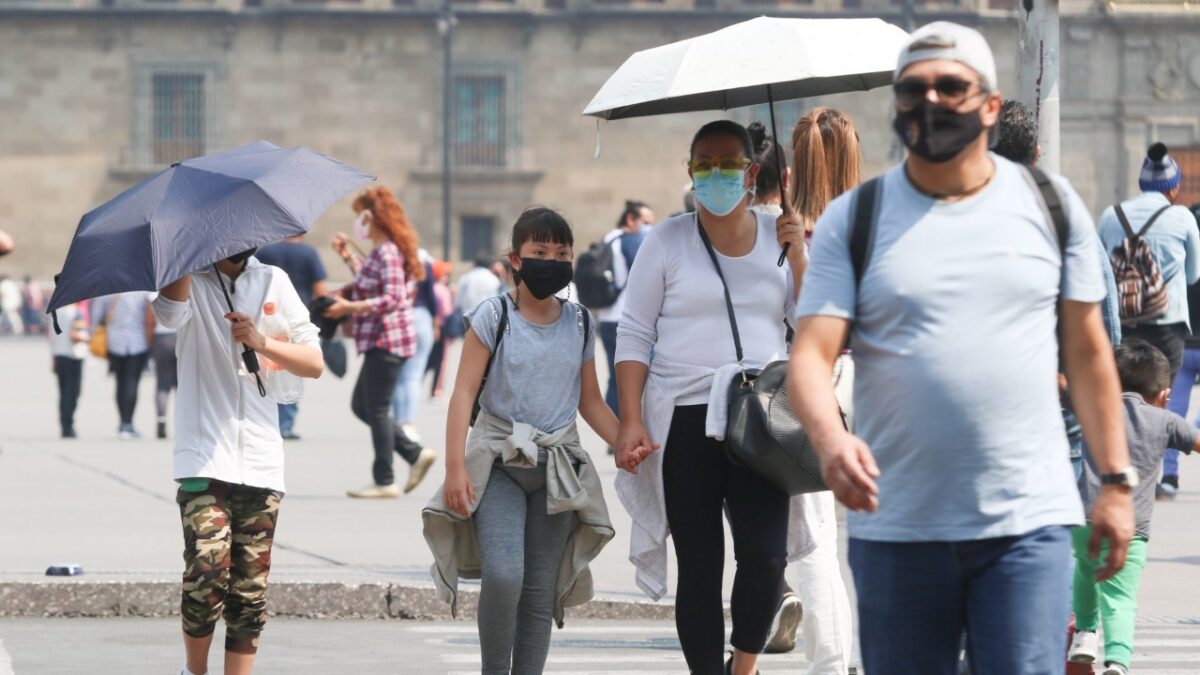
<point x="366" y="89"/>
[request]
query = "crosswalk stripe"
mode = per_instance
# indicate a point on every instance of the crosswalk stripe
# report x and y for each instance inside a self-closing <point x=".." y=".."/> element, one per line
<point x="589" y="629"/>
<point x="6" y="667"/>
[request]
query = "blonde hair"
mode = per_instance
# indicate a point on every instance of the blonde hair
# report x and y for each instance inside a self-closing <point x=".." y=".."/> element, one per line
<point x="827" y="161"/>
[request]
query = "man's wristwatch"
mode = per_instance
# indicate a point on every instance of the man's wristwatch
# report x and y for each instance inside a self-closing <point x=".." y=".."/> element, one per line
<point x="1127" y="478"/>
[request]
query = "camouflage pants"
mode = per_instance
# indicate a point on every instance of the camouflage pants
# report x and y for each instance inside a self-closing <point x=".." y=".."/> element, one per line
<point x="227" y="534"/>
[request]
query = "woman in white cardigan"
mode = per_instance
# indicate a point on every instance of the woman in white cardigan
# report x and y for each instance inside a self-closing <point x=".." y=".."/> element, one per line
<point x="675" y="359"/>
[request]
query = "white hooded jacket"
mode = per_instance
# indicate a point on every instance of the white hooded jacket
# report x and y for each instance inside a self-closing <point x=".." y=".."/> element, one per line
<point x="226" y="430"/>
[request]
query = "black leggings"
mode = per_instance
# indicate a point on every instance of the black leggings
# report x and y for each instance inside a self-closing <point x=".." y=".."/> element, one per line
<point x="128" y="372"/>
<point x="700" y="483"/>
<point x="372" y="403"/>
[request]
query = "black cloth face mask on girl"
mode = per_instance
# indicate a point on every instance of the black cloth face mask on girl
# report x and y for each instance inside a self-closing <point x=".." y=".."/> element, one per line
<point x="544" y="278"/>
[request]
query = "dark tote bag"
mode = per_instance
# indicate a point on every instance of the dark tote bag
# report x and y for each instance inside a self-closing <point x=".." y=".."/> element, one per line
<point x="762" y="433"/>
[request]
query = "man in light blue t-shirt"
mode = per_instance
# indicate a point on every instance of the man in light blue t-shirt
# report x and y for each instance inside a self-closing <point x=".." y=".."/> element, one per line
<point x="959" y="478"/>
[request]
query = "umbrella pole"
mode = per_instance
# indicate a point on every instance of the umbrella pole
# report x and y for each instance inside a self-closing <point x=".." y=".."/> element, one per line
<point x="781" y="164"/>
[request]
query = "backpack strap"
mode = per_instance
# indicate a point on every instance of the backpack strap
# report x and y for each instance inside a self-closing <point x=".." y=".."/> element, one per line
<point x="1054" y="207"/>
<point x="501" y="326"/>
<point x="1129" y="233"/>
<point x="587" y="328"/>
<point x="1153" y="218"/>
<point x="866" y="204"/>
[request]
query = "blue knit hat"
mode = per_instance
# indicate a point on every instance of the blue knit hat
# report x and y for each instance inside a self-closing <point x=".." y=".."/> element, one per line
<point x="1160" y="173"/>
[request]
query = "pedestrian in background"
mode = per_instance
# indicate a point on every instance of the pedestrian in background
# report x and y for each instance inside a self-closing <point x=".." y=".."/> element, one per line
<point x="10" y="306"/>
<point x="1181" y="390"/>
<point x="166" y="372"/>
<point x="1145" y="376"/>
<point x="1175" y="246"/>
<point x="407" y="397"/>
<point x="379" y="305"/>
<point x="303" y="266"/>
<point x="674" y="310"/>
<point x="130" y="331"/>
<point x="633" y="225"/>
<point x="828" y="162"/>
<point x="477" y="285"/>
<point x="522" y="504"/>
<point x="228" y="452"/>
<point x="447" y="327"/>
<point x="958" y="478"/>
<point x="69" y="349"/>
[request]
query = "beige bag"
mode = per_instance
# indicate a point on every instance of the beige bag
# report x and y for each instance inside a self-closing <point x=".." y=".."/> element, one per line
<point x="98" y="344"/>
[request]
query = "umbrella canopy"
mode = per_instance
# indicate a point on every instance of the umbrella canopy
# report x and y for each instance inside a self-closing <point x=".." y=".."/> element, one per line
<point x="196" y="213"/>
<point x="733" y="67"/>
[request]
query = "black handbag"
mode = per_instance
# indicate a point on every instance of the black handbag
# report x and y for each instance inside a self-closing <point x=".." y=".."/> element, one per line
<point x="762" y="433"/>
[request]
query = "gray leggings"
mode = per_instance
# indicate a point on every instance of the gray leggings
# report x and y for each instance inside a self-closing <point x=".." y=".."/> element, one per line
<point x="520" y="547"/>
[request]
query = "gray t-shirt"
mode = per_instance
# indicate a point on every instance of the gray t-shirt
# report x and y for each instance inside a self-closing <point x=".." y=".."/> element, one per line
<point x="956" y="354"/>
<point x="535" y="375"/>
<point x="1151" y="431"/>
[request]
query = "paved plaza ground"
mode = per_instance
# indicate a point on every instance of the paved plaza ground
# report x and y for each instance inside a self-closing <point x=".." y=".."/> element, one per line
<point x="108" y="506"/>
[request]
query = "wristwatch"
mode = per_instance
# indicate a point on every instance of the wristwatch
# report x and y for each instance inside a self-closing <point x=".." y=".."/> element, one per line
<point x="1127" y="477"/>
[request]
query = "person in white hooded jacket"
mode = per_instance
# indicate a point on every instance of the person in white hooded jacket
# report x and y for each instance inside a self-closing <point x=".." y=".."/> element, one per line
<point x="228" y="451"/>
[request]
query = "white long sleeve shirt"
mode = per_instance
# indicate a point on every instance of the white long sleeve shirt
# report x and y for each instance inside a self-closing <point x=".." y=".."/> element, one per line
<point x="225" y="430"/>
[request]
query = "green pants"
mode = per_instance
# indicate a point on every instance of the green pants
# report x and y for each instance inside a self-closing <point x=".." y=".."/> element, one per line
<point x="1113" y="601"/>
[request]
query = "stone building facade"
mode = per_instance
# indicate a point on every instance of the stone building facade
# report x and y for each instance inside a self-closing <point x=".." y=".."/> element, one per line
<point x="97" y="94"/>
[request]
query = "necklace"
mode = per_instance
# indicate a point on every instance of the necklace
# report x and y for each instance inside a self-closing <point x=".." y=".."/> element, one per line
<point x="948" y="195"/>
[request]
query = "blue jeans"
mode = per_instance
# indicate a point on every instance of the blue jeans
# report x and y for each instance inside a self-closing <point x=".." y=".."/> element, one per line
<point x="608" y="335"/>
<point x="287" y="417"/>
<point x="915" y="599"/>
<point x="407" y="395"/>
<point x="1181" y="397"/>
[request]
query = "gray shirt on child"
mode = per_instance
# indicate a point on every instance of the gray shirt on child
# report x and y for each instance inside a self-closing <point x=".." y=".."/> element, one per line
<point x="1151" y="430"/>
<point x="535" y="375"/>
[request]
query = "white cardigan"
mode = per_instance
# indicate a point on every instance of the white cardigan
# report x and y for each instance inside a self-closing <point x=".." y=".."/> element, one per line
<point x="675" y="322"/>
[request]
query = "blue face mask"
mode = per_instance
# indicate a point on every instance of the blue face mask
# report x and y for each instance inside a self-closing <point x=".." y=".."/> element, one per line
<point x="720" y="194"/>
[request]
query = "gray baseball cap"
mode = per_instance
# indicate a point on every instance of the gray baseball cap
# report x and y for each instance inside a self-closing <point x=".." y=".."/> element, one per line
<point x="942" y="40"/>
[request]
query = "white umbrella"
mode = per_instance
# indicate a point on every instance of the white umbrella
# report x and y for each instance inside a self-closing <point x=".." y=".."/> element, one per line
<point x="752" y="62"/>
<point x="762" y="60"/>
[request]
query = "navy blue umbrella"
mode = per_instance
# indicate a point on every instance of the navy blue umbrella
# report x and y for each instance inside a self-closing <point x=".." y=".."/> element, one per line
<point x="196" y="213"/>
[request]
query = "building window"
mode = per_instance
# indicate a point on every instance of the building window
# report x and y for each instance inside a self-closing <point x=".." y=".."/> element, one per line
<point x="481" y="120"/>
<point x="478" y="237"/>
<point x="178" y="116"/>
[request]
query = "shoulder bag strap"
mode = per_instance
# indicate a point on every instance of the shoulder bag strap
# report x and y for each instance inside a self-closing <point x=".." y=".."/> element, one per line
<point x="1129" y="234"/>
<point x="1153" y="218"/>
<point x="712" y="254"/>
<point x="865" y="204"/>
<point x="587" y="328"/>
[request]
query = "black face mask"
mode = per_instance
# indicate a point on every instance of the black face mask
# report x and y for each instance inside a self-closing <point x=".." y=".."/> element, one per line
<point x="544" y="278"/>
<point x="239" y="258"/>
<point x="936" y="134"/>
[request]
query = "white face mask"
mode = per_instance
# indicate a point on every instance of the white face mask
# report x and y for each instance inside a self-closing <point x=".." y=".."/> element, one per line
<point x="362" y="227"/>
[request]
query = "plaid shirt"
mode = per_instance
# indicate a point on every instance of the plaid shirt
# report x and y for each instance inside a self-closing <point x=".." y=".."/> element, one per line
<point x="382" y="284"/>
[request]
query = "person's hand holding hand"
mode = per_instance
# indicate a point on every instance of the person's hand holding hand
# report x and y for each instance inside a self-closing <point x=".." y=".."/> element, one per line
<point x="245" y="332"/>
<point x="634" y="445"/>
<point x="849" y="469"/>
<point x="1112" y="522"/>
<point x="457" y="491"/>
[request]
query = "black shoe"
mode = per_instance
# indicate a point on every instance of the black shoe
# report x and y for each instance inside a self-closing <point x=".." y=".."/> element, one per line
<point x="162" y="430"/>
<point x="69" y="432"/>
<point x="729" y="666"/>
<point x="290" y="436"/>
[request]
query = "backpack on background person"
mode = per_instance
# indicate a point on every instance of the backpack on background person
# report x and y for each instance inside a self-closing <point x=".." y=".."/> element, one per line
<point x="1141" y="289"/>
<point x="595" y="278"/>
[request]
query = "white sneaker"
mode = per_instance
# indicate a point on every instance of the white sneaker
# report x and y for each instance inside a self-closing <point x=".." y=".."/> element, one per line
<point x="783" y="628"/>
<point x="1115" y="669"/>
<point x="374" y="491"/>
<point x="184" y="671"/>
<point x="1084" y="647"/>
<point x="411" y="432"/>
<point x="416" y="472"/>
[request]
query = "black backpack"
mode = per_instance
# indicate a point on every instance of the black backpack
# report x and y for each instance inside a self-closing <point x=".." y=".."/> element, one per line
<point x="595" y="278"/>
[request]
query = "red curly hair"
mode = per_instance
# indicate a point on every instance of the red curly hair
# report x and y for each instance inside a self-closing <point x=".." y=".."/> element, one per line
<point x="389" y="216"/>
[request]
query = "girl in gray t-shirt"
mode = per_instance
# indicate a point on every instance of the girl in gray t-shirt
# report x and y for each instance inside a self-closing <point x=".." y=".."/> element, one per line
<point x="537" y="352"/>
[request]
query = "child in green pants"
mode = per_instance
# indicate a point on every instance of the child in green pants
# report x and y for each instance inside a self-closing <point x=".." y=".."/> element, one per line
<point x="1151" y="429"/>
